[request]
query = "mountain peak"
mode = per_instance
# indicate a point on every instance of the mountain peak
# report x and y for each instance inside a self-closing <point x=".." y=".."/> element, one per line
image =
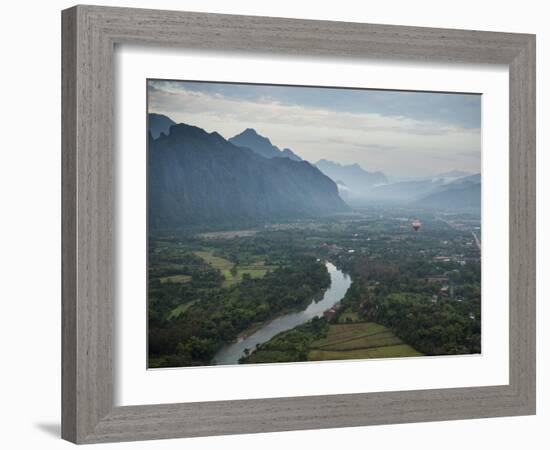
<point x="356" y="179"/>
<point x="159" y="116"/>
<point x="259" y="144"/>
<point x="158" y="124"/>
<point x="249" y="133"/>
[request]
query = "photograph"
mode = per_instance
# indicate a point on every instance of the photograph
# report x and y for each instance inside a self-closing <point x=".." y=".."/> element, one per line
<point x="298" y="224"/>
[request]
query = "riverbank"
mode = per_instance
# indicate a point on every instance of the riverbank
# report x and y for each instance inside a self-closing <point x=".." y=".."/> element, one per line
<point x="339" y="285"/>
<point x="257" y="326"/>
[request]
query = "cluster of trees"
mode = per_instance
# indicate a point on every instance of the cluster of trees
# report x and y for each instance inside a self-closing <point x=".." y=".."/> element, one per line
<point x="443" y="328"/>
<point x="289" y="346"/>
<point x="396" y="298"/>
<point x="219" y="314"/>
<point x="165" y="296"/>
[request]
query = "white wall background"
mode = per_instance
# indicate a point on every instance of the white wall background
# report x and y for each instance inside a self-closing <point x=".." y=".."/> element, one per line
<point x="30" y="223"/>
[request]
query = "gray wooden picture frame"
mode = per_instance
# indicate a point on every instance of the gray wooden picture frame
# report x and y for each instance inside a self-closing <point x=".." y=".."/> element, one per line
<point x="90" y="34"/>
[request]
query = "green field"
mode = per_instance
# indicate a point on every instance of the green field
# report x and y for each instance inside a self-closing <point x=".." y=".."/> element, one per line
<point x="176" y="279"/>
<point x="256" y="270"/>
<point x="228" y="234"/>
<point x="179" y="310"/>
<point x="359" y="341"/>
<point x="215" y="261"/>
<point x="253" y="271"/>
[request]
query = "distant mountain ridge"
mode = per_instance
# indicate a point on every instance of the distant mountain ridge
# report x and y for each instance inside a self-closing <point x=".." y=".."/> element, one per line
<point x="261" y="145"/>
<point x="197" y="177"/>
<point x="453" y="174"/>
<point x="463" y="193"/>
<point x="441" y="193"/>
<point x="353" y="181"/>
<point x="465" y="196"/>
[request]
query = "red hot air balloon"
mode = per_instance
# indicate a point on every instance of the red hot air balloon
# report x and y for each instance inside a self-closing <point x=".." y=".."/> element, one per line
<point x="416" y="224"/>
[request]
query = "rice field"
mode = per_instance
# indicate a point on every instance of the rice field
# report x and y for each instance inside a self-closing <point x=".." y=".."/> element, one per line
<point x="359" y="341"/>
<point x="179" y="310"/>
<point x="215" y="261"/>
<point x="256" y="270"/>
<point x="176" y="279"/>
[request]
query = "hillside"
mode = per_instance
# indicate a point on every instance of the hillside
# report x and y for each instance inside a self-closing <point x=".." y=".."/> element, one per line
<point x="159" y="123"/>
<point x="261" y="145"/>
<point x="463" y="193"/>
<point x="197" y="177"/>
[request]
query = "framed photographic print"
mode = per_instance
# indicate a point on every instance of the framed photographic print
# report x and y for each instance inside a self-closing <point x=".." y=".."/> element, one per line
<point x="268" y="222"/>
<point x="253" y="250"/>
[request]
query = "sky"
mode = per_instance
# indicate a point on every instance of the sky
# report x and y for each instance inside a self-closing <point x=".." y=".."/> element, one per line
<point x="401" y="133"/>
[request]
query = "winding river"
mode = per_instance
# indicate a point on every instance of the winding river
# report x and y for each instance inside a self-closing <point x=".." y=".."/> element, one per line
<point x="339" y="284"/>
